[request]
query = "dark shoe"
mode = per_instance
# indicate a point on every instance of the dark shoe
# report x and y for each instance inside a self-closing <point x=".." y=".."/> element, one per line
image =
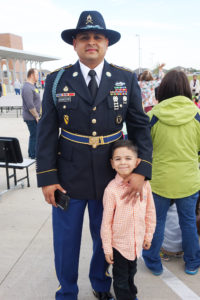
<point x="191" y="271"/>
<point x="103" y="295"/>
<point x="157" y="273"/>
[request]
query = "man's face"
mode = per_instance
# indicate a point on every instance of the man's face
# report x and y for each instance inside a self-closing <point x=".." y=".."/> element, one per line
<point x="35" y="76"/>
<point x="91" y="47"/>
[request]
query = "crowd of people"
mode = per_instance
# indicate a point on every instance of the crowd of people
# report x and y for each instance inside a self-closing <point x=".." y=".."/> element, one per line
<point x="81" y="152"/>
<point x="17" y="85"/>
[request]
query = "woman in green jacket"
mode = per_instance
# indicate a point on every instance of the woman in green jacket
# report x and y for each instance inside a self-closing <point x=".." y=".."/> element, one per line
<point x="175" y="130"/>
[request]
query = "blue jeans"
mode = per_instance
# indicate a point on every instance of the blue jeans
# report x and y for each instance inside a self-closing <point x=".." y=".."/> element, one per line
<point x="17" y="91"/>
<point x="187" y="220"/>
<point x="32" y="127"/>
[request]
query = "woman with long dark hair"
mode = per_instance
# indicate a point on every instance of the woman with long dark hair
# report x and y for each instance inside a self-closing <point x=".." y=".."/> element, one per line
<point x="175" y="130"/>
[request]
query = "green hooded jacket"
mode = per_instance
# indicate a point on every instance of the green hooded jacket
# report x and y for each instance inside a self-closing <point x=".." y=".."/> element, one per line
<point x="175" y="134"/>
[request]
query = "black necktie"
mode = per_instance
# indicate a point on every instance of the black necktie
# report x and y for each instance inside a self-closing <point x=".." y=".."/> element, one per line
<point x="92" y="86"/>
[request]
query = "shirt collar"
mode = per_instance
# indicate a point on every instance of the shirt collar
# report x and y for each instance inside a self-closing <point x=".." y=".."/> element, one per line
<point x="98" y="70"/>
<point x="118" y="179"/>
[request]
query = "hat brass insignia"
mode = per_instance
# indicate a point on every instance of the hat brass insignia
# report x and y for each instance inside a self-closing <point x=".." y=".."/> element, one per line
<point x="66" y="119"/>
<point x="89" y="20"/>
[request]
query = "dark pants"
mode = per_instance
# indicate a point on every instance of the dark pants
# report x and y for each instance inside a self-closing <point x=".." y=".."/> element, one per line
<point x="17" y="91"/>
<point x="32" y="127"/>
<point x="124" y="271"/>
<point x="67" y="232"/>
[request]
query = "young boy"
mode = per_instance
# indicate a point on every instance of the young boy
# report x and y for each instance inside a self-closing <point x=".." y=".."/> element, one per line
<point x="126" y="227"/>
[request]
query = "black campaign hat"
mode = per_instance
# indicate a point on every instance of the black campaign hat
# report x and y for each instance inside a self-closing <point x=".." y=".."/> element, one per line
<point x="91" y="21"/>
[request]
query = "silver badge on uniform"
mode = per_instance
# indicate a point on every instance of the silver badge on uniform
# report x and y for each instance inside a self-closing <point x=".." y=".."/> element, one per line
<point x="115" y="103"/>
<point x="124" y="99"/>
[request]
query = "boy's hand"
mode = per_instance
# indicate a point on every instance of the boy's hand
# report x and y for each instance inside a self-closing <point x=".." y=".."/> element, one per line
<point x="109" y="258"/>
<point x="146" y="245"/>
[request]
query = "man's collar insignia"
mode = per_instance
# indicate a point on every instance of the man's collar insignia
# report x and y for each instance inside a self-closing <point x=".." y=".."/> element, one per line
<point x="89" y="20"/>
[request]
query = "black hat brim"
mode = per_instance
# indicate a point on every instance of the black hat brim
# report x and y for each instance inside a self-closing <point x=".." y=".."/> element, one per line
<point x="112" y="35"/>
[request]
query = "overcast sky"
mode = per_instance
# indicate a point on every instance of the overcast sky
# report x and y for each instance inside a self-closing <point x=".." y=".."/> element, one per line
<point x="169" y="30"/>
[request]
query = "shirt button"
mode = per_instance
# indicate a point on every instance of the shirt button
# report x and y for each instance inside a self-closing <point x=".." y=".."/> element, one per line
<point x="94" y="121"/>
<point x="94" y="108"/>
<point x="94" y="133"/>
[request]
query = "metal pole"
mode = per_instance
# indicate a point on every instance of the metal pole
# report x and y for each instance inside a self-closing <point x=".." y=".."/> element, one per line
<point x="139" y="69"/>
<point x="8" y="74"/>
<point x="1" y="76"/>
<point x="14" y="70"/>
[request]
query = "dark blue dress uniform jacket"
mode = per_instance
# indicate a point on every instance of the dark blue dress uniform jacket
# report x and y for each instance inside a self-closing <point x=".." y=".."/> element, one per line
<point x="80" y="169"/>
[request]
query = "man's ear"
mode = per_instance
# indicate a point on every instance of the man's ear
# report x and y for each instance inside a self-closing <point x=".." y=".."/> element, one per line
<point x="138" y="161"/>
<point x="74" y="44"/>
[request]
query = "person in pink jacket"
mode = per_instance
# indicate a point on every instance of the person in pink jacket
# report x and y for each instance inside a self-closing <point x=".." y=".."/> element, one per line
<point x="127" y="227"/>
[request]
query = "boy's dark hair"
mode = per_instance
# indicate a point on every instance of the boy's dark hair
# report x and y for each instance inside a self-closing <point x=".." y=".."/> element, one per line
<point x="124" y="143"/>
<point x="175" y="83"/>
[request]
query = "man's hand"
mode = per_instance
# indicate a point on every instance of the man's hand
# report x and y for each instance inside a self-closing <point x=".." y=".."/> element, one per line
<point x="48" y="192"/>
<point x="134" y="183"/>
<point x="109" y="258"/>
<point x="161" y="66"/>
<point x="146" y="245"/>
<point x="34" y="113"/>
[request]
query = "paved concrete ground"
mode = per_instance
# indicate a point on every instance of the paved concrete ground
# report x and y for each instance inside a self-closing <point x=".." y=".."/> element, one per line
<point x="26" y="253"/>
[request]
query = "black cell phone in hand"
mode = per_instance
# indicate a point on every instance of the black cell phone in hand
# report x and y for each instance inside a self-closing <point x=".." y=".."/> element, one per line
<point x="62" y="199"/>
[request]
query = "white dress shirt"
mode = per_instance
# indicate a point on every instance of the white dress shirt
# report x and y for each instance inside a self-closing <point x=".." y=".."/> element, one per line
<point x="85" y="70"/>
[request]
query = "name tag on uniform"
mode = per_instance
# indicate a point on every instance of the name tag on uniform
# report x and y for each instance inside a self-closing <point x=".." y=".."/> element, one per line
<point x="65" y="97"/>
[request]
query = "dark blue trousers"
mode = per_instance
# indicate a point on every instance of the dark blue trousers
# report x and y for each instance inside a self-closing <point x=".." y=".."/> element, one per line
<point x="67" y="231"/>
<point x="32" y="127"/>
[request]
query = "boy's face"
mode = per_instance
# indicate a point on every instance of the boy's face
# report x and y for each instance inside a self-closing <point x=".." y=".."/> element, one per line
<point x="124" y="161"/>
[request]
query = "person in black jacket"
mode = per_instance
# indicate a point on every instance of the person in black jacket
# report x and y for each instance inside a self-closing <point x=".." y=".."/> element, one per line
<point x="1" y="90"/>
<point x="82" y="115"/>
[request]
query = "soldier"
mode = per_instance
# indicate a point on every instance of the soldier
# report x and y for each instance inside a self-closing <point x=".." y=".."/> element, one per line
<point x="83" y="110"/>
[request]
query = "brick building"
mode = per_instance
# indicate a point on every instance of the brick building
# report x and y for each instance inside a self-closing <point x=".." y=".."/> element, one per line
<point x="15" y="42"/>
<point x="14" y="60"/>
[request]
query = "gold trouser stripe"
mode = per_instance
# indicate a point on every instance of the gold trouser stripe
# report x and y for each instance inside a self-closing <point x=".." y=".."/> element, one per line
<point x="59" y="288"/>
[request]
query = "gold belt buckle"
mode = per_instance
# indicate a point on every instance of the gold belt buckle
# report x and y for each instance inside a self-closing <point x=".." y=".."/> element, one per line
<point x="95" y="141"/>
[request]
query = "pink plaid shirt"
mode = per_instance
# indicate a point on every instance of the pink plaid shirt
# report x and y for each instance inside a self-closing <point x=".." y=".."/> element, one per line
<point x="125" y="226"/>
